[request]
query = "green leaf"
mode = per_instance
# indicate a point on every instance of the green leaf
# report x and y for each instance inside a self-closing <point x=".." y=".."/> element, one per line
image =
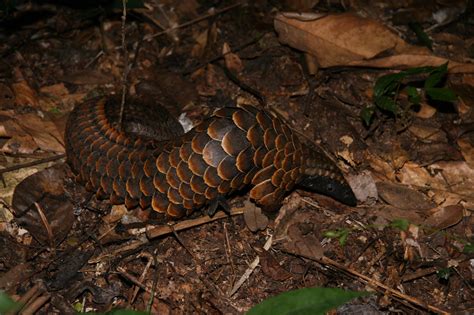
<point x="421" y="35"/>
<point x="413" y="95"/>
<point x="468" y="248"/>
<point x="386" y="103"/>
<point x="387" y="84"/>
<point x="441" y="94"/>
<point x="7" y="304"/>
<point x="343" y="238"/>
<point x="367" y="113"/>
<point x="332" y="234"/>
<point x="444" y="273"/>
<point x="401" y="224"/>
<point x="340" y="234"/>
<point x="306" y="301"/>
<point x="436" y="75"/>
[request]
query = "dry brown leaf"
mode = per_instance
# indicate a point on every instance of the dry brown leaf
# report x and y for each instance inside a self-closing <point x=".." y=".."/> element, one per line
<point x="201" y="43"/>
<point x="363" y="186"/>
<point x="55" y="96"/>
<point x="456" y="177"/>
<point x="254" y="218"/>
<point x="24" y="94"/>
<point x="42" y="207"/>
<point x="44" y="132"/>
<point x="390" y="213"/>
<point x="347" y="39"/>
<point x="444" y="217"/>
<point x="426" y="111"/>
<point x="403" y="197"/>
<point x="55" y="90"/>
<point x="271" y="267"/>
<point x="91" y="77"/>
<point x="232" y="61"/>
<point x="380" y="166"/>
<point x="116" y="213"/>
<point x="338" y="39"/>
<point x="467" y="151"/>
<point x="426" y="132"/>
<point x="20" y="141"/>
<point x="411" y="60"/>
<point x="28" y="132"/>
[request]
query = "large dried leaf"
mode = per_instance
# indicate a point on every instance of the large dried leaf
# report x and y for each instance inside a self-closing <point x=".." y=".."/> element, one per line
<point x="41" y="206"/>
<point x="444" y="217"/>
<point x="19" y="140"/>
<point x="455" y="177"/>
<point x="363" y="186"/>
<point x="347" y="39"/>
<point x="43" y="131"/>
<point x="403" y="197"/>
<point x="391" y="213"/>
<point x="27" y="132"/>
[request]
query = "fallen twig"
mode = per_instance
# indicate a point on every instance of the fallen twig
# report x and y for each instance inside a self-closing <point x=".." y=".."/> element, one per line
<point x="382" y="288"/>
<point x="153" y="232"/>
<point x="196" y="20"/>
<point x="33" y="163"/>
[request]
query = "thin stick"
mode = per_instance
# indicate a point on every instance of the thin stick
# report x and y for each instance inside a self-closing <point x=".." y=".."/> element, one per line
<point x="250" y="269"/>
<point x="154" y="232"/>
<point x="375" y="284"/>
<point x="34" y="306"/>
<point x="134" y="280"/>
<point x="216" y="58"/>
<point x="24" y="165"/>
<point x="228" y="252"/>
<point x="204" y="17"/>
<point x="46" y="224"/>
<point x="142" y="277"/>
<point x="125" y="63"/>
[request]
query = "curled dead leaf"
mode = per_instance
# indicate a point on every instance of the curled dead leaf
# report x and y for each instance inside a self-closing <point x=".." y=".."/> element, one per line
<point x="338" y="39"/>
<point x="349" y="40"/>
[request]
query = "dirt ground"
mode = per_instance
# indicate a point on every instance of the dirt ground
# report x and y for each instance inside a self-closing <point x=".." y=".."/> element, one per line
<point x="409" y="240"/>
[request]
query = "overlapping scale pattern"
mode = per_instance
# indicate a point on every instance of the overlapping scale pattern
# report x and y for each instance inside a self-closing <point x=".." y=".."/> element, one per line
<point x="234" y="148"/>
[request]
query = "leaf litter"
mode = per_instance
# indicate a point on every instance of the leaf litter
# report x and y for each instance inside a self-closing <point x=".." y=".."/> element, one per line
<point x="410" y="238"/>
